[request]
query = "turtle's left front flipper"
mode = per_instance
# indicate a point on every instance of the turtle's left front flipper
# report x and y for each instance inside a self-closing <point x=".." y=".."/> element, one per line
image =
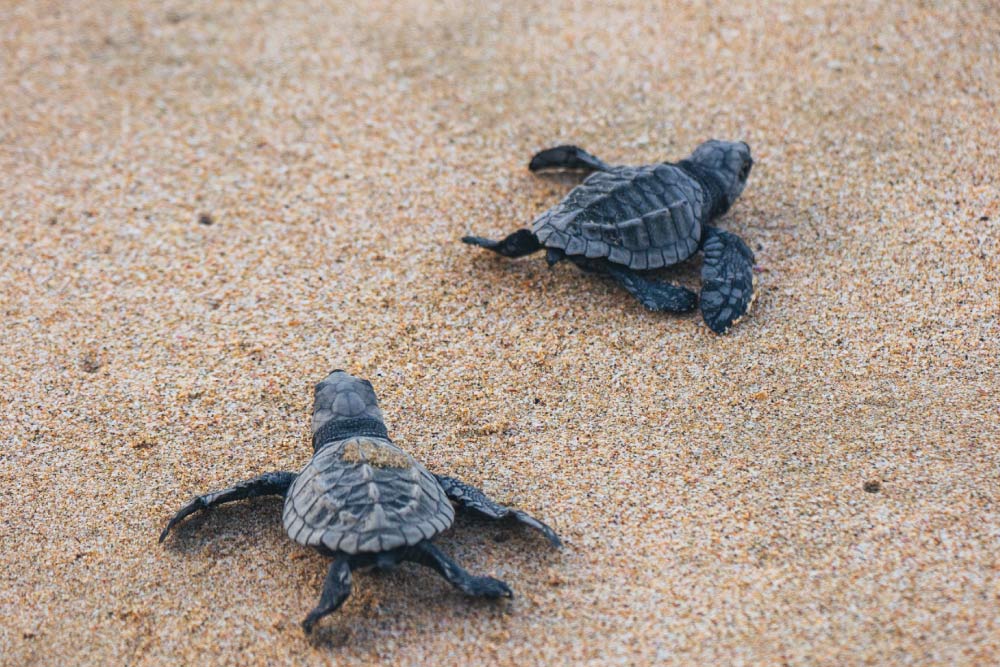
<point x="727" y="279"/>
<point x="268" y="484"/>
<point x="469" y="497"/>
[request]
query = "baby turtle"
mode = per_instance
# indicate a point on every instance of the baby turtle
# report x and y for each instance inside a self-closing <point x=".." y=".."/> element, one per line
<point x="364" y="501"/>
<point x="622" y="220"/>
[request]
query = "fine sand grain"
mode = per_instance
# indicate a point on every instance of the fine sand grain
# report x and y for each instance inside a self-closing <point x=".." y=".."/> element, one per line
<point x="206" y="206"/>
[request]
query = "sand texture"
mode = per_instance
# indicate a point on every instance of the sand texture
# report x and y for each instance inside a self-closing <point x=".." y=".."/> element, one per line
<point x="207" y="206"/>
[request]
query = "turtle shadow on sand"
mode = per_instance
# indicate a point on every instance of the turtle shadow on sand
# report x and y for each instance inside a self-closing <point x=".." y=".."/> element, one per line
<point x="563" y="179"/>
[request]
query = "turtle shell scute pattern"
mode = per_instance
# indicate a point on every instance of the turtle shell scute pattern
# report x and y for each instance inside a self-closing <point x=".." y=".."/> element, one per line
<point x="639" y="217"/>
<point x="365" y="495"/>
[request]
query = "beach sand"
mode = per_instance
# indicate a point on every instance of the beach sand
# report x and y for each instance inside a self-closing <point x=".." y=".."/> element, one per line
<point x="206" y="206"/>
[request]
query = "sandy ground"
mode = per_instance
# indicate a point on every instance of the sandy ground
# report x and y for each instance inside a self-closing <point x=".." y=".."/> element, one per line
<point x="711" y="490"/>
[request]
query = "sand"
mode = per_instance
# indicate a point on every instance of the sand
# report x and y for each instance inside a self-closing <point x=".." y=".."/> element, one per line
<point x="207" y="206"/>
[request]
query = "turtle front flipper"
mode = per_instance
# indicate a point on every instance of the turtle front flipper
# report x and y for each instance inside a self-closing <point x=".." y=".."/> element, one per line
<point x="268" y="484"/>
<point x="520" y="243"/>
<point x="425" y="553"/>
<point x="727" y="279"/>
<point x="655" y="295"/>
<point x="471" y="498"/>
<point x="567" y="157"/>
<point x="336" y="589"/>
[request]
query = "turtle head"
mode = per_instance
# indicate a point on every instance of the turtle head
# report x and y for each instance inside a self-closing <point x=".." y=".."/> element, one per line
<point x="343" y="402"/>
<point x="729" y="162"/>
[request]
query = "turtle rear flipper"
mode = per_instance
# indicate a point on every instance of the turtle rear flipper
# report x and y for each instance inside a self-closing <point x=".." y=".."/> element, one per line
<point x="336" y="589"/>
<point x="727" y="279"/>
<point x="655" y="295"/>
<point x="567" y="157"/>
<point x="520" y="243"/>
<point x="428" y="555"/>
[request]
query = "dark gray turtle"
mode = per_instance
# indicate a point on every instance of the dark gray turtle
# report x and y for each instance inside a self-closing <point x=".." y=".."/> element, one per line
<point x="622" y="220"/>
<point x="364" y="501"/>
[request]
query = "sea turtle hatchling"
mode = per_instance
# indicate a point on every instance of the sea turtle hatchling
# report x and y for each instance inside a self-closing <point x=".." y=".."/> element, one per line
<point x="364" y="501"/>
<point x="622" y="220"/>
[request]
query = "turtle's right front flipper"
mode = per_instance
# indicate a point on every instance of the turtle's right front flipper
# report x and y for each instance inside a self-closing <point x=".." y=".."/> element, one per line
<point x="469" y="497"/>
<point x="727" y="279"/>
<point x="520" y="243"/>
<point x="268" y="484"/>
<point x="567" y="157"/>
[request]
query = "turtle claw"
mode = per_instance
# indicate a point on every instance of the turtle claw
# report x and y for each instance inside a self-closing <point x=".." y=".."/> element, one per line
<point x="487" y="587"/>
<point x="540" y="526"/>
<point x="309" y="622"/>
<point x="194" y="506"/>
